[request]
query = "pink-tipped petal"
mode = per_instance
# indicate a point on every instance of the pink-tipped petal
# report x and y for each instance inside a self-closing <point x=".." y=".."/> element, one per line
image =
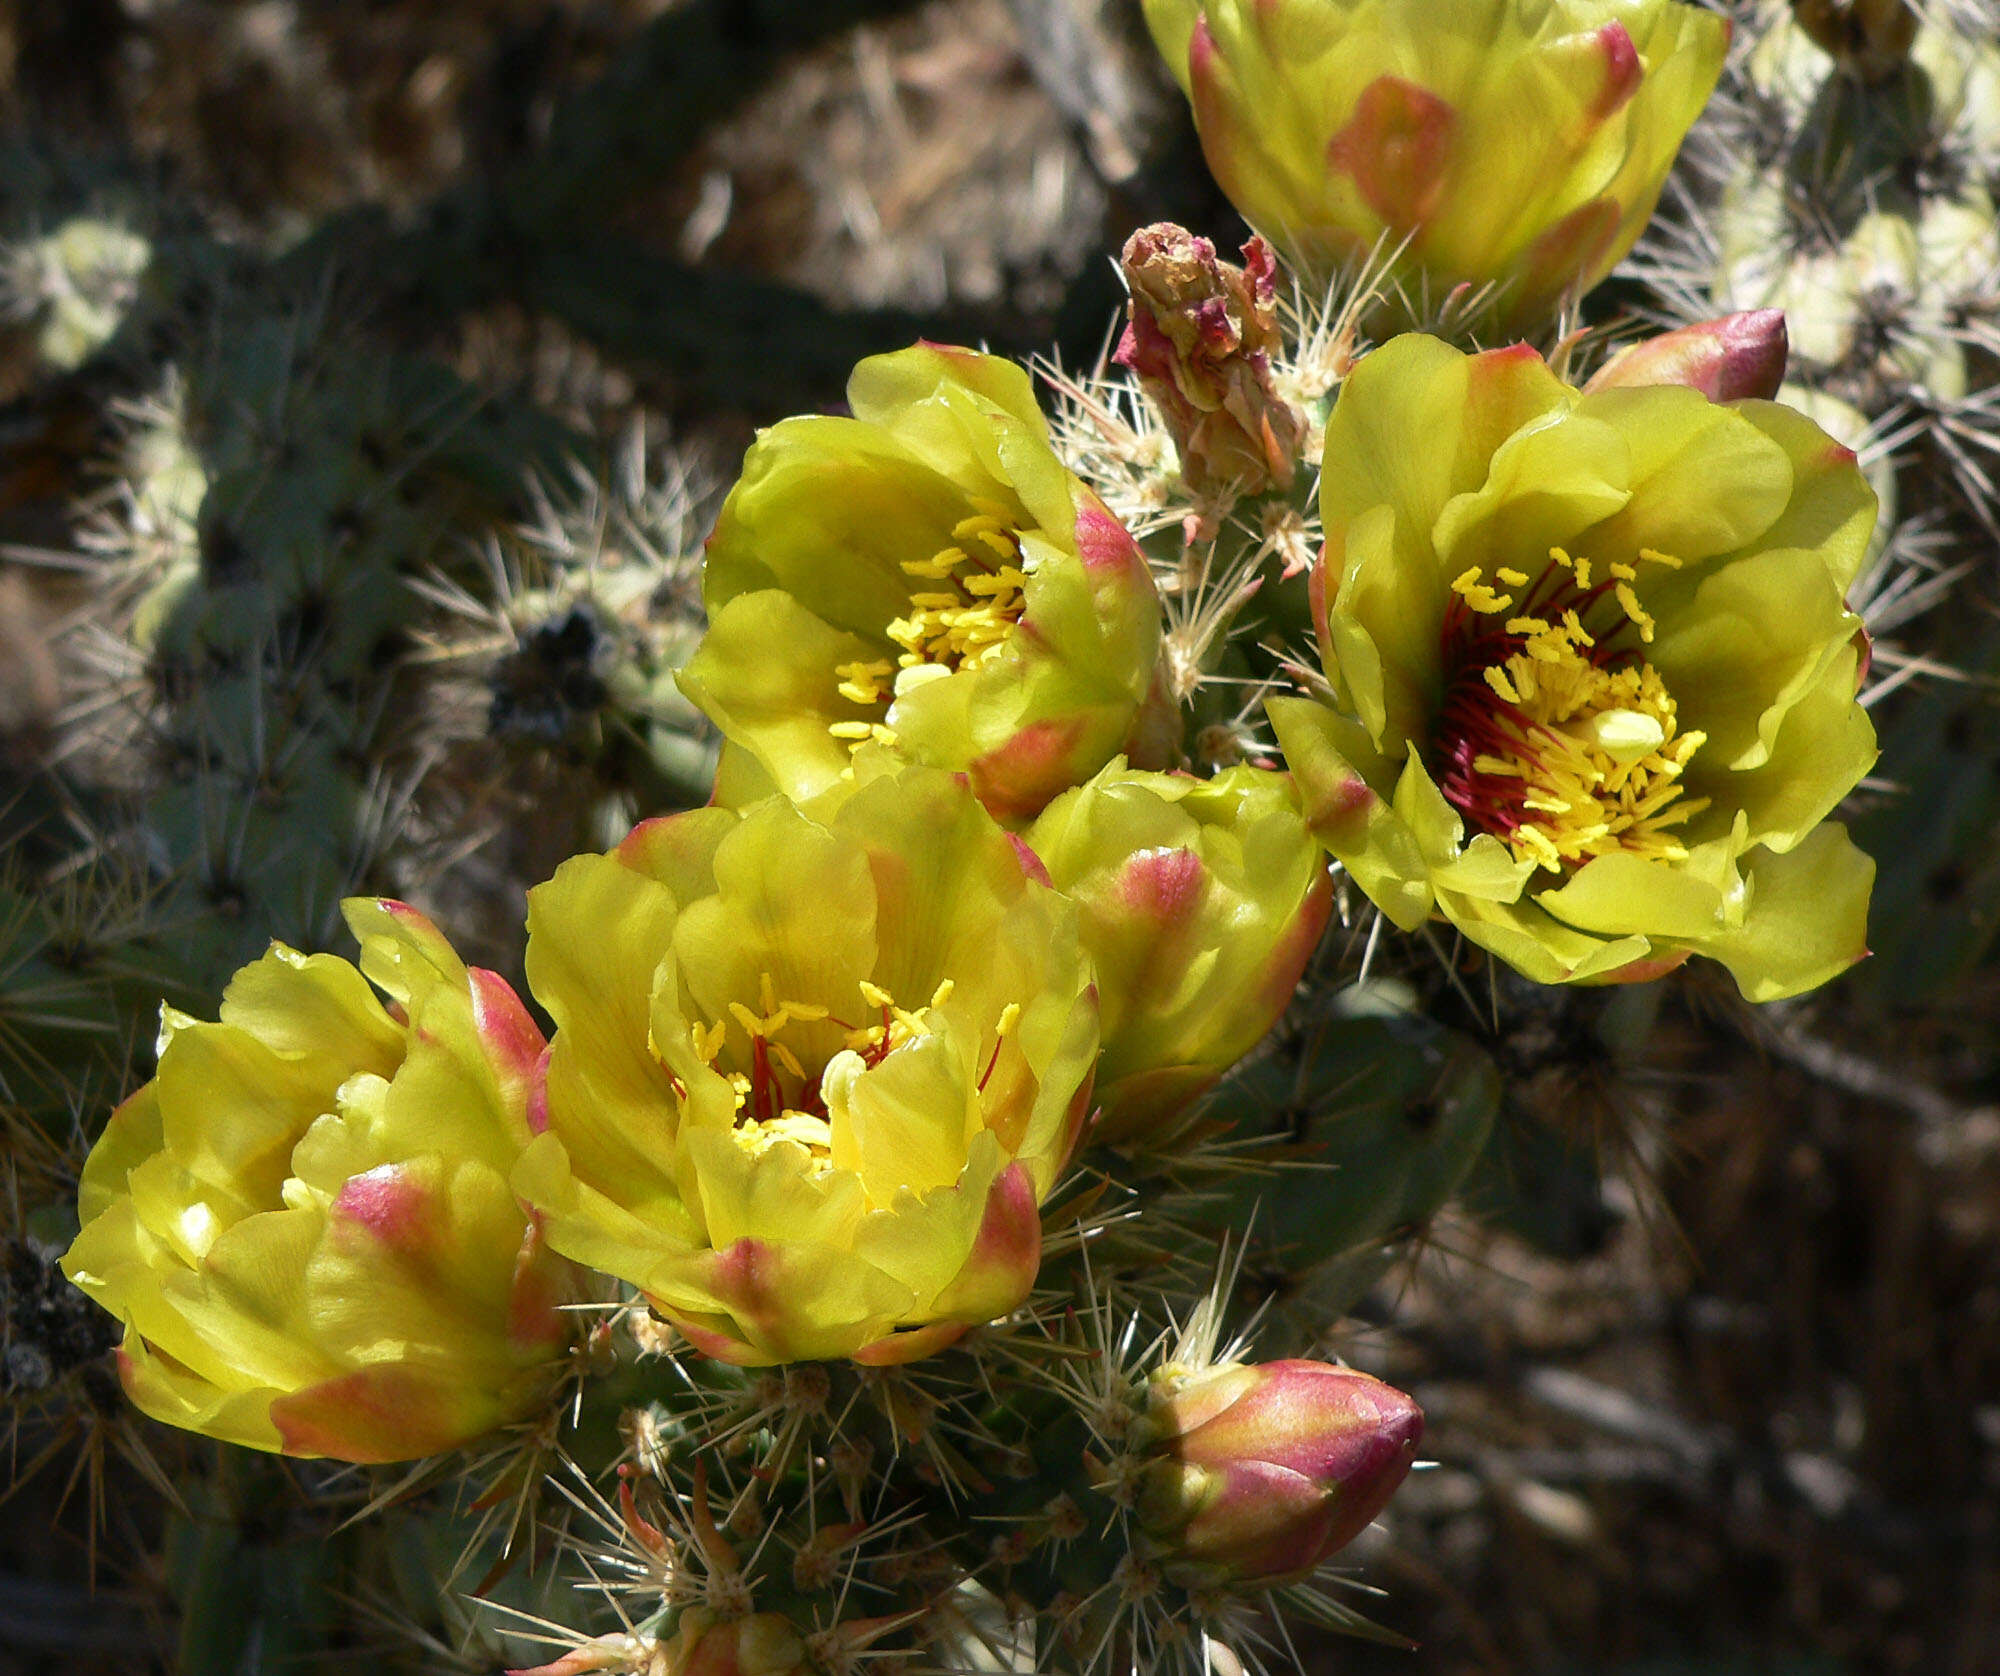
<point x="1623" y="71"/>
<point x="1397" y="148"/>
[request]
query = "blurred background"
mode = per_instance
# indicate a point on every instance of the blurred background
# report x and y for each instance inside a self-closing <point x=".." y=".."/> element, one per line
<point x="368" y="369"/>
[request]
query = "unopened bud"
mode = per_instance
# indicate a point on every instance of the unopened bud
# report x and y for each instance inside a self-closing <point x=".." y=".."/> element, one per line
<point x="1870" y="37"/>
<point x="763" y="1645"/>
<point x="1725" y="359"/>
<point x="1200" y="339"/>
<point x="1260" y="1473"/>
<point x="602" y="1653"/>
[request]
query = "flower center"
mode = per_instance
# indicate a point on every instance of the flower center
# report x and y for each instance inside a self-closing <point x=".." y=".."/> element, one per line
<point x="1556" y="735"/>
<point x="778" y="1098"/>
<point x="961" y="625"/>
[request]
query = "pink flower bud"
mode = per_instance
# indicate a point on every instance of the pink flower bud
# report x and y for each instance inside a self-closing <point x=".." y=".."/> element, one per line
<point x="1727" y="359"/>
<point x="1200" y="338"/>
<point x="1263" y="1472"/>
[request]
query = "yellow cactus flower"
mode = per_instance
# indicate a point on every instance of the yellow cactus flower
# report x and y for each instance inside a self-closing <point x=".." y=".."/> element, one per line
<point x="1516" y="143"/>
<point x="1590" y="674"/>
<point x="930" y="577"/>
<point x="810" y="1083"/>
<point x="304" y="1219"/>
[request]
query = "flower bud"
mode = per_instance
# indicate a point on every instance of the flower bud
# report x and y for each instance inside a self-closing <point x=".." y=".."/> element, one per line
<point x="762" y="1645"/>
<point x="1200" y="338"/>
<point x="1871" y="37"/>
<point x="1726" y="359"/>
<point x="1261" y="1473"/>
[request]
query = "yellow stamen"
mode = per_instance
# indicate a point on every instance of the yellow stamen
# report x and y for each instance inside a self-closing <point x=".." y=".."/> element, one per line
<point x="1596" y="748"/>
<point x="944" y="630"/>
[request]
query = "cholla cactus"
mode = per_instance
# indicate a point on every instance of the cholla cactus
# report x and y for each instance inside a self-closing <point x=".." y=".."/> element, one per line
<point x="561" y="651"/>
<point x="1848" y="176"/>
<point x="862" y="1253"/>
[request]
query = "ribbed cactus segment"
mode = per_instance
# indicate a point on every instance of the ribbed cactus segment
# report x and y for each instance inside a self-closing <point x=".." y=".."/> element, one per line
<point x="85" y="959"/>
<point x="561" y="650"/>
<point x="1854" y="170"/>
<point x="281" y="491"/>
<point x="1374" y="1116"/>
<point x="1938" y="897"/>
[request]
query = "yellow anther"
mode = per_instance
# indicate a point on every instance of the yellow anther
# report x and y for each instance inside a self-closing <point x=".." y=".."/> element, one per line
<point x="1637" y="612"/>
<point x="1478" y="595"/>
<point x="787" y="1059"/>
<point x="942" y="993"/>
<point x="875" y="995"/>
<point x="1623" y="572"/>
<point x="943" y="631"/>
<point x="708" y="1040"/>
<point x="1581" y="567"/>
<point x="1010" y="1015"/>
<point x="865" y="682"/>
<point x="1513" y="578"/>
<point x="1652" y="555"/>
<point x="1527" y="625"/>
